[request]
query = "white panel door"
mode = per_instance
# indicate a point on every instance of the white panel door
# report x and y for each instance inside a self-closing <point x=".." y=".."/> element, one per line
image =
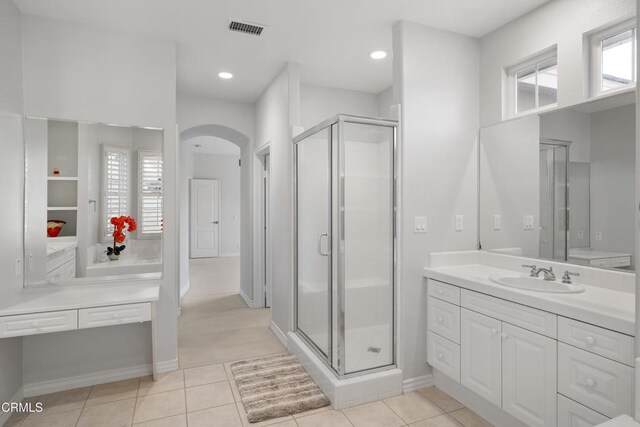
<point x="529" y="376"/>
<point x="205" y="208"/>
<point x="481" y="355"/>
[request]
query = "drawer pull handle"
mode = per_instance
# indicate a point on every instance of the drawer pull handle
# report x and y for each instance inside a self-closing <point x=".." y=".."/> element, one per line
<point x="504" y="335"/>
<point x="591" y="382"/>
<point x="494" y="331"/>
<point x="440" y="319"/>
<point x="440" y="356"/>
<point x="590" y="340"/>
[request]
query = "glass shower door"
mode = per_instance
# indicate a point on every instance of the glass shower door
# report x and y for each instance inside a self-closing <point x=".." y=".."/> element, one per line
<point x="313" y="239"/>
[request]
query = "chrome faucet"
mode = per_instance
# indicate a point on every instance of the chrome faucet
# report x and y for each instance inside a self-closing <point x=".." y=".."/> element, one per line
<point x="549" y="275"/>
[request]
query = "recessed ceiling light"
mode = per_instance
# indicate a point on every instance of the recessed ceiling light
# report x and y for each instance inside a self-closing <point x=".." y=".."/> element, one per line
<point x="225" y="75"/>
<point x="378" y="54"/>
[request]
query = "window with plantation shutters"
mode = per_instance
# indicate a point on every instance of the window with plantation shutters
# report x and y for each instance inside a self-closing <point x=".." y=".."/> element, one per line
<point x="149" y="194"/>
<point x="116" y="188"/>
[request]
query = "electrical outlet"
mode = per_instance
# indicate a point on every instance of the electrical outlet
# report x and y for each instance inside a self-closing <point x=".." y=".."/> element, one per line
<point x="419" y="224"/>
<point x="496" y="222"/>
<point x="459" y="223"/>
<point x="528" y="222"/>
<point x="580" y="235"/>
<point x="598" y="235"/>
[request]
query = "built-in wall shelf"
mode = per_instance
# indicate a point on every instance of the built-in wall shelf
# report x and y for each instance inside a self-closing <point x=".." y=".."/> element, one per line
<point x="62" y="178"/>
<point x="62" y="208"/>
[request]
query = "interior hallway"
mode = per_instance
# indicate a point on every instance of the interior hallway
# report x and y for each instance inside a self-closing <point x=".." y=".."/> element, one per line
<point x="219" y="327"/>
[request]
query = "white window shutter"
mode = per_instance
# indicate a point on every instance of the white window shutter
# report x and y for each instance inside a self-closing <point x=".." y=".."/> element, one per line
<point x="150" y="188"/>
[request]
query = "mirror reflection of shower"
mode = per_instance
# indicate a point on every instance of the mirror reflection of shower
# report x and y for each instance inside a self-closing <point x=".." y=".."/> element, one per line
<point x="554" y="199"/>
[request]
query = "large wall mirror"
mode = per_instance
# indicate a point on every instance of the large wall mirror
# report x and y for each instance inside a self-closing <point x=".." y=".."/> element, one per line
<point x="93" y="201"/>
<point x="561" y="185"/>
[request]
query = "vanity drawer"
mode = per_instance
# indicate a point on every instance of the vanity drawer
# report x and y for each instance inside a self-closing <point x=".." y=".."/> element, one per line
<point x="596" y="382"/>
<point x="620" y="261"/>
<point x="528" y="318"/>
<point x="443" y="291"/>
<point x="63" y="273"/>
<point x="114" y="315"/>
<point x="55" y="261"/>
<point x="38" y="323"/>
<point x="444" y="319"/>
<point x="594" y="339"/>
<point x="443" y="355"/>
<point x="573" y="414"/>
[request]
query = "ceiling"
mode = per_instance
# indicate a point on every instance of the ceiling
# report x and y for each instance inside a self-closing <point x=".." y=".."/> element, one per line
<point x="330" y="39"/>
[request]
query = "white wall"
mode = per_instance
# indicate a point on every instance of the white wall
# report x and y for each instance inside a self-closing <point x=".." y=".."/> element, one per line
<point x="77" y="73"/>
<point x="275" y="112"/>
<point x="226" y="170"/>
<point x="558" y="22"/>
<point x="195" y="111"/>
<point x="613" y="168"/>
<point x="12" y="169"/>
<point x="318" y="103"/>
<point x="439" y="162"/>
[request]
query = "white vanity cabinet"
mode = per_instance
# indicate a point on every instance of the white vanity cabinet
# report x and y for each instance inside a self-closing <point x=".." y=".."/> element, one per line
<point x="541" y="368"/>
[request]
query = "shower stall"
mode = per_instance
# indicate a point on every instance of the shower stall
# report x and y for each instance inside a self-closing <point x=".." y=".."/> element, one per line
<point x="345" y="244"/>
<point x="554" y="199"/>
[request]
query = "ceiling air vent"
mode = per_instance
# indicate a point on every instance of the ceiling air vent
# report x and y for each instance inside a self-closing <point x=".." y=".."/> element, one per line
<point x="246" y="28"/>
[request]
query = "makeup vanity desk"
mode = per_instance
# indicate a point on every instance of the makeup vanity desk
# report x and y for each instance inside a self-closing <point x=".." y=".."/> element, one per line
<point x="54" y="308"/>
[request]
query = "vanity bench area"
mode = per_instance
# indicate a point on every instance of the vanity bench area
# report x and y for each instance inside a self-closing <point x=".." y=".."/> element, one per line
<point x="523" y="357"/>
<point x="57" y="307"/>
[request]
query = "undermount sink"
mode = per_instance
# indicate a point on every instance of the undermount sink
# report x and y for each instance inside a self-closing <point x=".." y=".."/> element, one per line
<point x="537" y="284"/>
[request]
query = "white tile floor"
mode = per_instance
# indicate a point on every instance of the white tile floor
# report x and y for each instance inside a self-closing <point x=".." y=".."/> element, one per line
<point x="214" y="331"/>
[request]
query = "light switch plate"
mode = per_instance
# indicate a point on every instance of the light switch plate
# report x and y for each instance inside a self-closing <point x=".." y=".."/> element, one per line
<point x="459" y="223"/>
<point x="528" y="222"/>
<point x="496" y="222"/>
<point x="598" y="235"/>
<point x="419" y="224"/>
<point x="580" y="235"/>
<point x="18" y="266"/>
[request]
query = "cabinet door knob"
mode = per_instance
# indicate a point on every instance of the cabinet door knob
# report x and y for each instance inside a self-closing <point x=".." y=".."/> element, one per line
<point x="504" y="335"/>
<point x="494" y="331"/>
<point x="591" y="382"/>
<point x="590" y="340"/>
<point x="440" y="356"/>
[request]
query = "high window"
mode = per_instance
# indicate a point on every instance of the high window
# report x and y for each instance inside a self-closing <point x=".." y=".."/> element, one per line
<point x="613" y="58"/>
<point x="533" y="84"/>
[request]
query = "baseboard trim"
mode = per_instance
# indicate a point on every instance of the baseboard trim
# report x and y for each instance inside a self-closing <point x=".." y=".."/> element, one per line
<point x="418" y="383"/>
<point x="69" y="383"/>
<point x="4" y="416"/>
<point x="279" y="334"/>
<point x="246" y="299"/>
<point x="167" y="366"/>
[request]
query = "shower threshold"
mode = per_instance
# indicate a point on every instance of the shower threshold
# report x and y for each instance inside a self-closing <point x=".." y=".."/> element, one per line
<point x="348" y="392"/>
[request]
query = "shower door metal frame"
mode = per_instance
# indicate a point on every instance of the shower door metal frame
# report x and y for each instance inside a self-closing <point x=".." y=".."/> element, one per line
<point x="337" y="148"/>
<point x="560" y="143"/>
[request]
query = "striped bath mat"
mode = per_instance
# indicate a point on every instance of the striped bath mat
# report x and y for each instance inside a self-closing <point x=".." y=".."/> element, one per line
<point x="275" y="386"/>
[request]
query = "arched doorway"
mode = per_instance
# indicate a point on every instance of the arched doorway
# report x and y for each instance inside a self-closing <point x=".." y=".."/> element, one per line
<point x="242" y="141"/>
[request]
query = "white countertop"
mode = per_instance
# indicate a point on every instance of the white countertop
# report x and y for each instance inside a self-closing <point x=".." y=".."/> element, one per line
<point x="70" y="297"/>
<point x="603" y="307"/>
<point x="591" y="254"/>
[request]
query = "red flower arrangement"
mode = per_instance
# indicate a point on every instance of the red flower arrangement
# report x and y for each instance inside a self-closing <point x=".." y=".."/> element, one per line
<point x="120" y="224"/>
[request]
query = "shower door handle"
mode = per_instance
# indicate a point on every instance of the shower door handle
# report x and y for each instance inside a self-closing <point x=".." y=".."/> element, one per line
<point x="320" y="244"/>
